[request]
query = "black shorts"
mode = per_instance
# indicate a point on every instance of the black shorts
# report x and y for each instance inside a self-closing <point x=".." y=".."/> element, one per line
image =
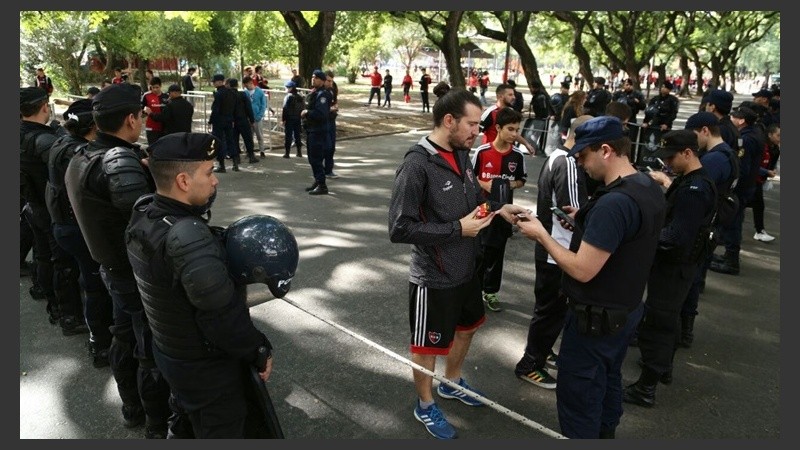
<point x="436" y="314"/>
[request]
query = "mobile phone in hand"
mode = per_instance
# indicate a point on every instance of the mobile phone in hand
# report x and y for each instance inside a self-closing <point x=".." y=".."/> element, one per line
<point x="562" y="215"/>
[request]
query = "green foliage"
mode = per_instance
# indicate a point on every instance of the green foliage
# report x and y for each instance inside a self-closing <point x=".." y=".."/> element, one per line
<point x="266" y="38"/>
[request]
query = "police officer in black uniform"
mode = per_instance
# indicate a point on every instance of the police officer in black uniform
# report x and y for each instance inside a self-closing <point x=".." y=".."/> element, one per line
<point x="97" y="302"/>
<point x="57" y="272"/>
<point x="316" y="118"/>
<point x="682" y="244"/>
<point x="662" y="110"/>
<point x="223" y="110"/>
<point x="203" y="337"/>
<point x="631" y="97"/>
<point x="104" y="180"/>
<point x="598" y="98"/>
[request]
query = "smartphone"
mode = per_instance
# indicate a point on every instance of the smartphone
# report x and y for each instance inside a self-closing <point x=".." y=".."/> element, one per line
<point x="523" y="217"/>
<point x="562" y="215"/>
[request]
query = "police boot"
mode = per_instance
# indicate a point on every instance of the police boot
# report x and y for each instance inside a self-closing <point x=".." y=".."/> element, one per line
<point x="729" y="266"/>
<point x="299" y="153"/>
<point x="286" y="153"/>
<point x="643" y="392"/>
<point x="312" y="187"/>
<point x="236" y="161"/>
<point x="72" y="325"/>
<point x="687" y="331"/>
<point x="666" y="377"/>
<point x="321" y="189"/>
<point x="220" y="167"/>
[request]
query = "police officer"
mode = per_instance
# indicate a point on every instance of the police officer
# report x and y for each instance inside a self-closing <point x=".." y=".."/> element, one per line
<point x="316" y="118"/>
<point x="97" y="302"/>
<point x="661" y="110"/>
<point x="598" y="98"/>
<point x="682" y="244"/>
<point x="333" y="88"/>
<point x="615" y="239"/>
<point x="631" y="97"/>
<point x="103" y="181"/>
<point x="222" y="123"/>
<point x="57" y="271"/>
<point x="203" y="337"/>
<point x="720" y="103"/>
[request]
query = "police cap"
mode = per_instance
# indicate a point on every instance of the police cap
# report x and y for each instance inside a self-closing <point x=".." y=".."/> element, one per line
<point x="184" y="147"/>
<point x="676" y="141"/>
<point x="320" y="74"/>
<point x="596" y="131"/>
<point x="722" y="100"/>
<point x="31" y="95"/>
<point x="79" y="110"/>
<point x="117" y="97"/>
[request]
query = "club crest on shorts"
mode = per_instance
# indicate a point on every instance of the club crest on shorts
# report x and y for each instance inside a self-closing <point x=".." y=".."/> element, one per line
<point x="434" y="337"/>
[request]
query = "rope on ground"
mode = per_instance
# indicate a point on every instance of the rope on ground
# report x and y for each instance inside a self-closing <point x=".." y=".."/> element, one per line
<point x="486" y="401"/>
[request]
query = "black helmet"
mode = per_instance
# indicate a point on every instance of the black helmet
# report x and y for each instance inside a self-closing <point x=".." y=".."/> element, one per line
<point x="261" y="249"/>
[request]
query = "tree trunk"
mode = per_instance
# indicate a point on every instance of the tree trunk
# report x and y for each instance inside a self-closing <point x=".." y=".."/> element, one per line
<point x="311" y="41"/>
<point x="451" y="50"/>
<point x="686" y="73"/>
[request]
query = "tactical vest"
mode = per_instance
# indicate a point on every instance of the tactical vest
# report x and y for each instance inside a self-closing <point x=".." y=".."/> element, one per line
<point x="169" y="312"/>
<point x="621" y="281"/>
<point x="35" y="139"/>
<point x="58" y="204"/>
<point x="102" y="224"/>
<point x="695" y="250"/>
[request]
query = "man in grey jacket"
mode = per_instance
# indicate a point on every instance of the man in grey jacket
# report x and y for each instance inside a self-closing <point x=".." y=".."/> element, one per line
<point x="437" y="207"/>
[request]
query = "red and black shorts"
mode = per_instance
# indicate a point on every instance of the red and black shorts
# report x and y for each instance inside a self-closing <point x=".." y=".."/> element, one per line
<point x="436" y="314"/>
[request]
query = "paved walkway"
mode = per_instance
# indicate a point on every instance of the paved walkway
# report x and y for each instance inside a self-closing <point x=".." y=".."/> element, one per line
<point x="341" y="335"/>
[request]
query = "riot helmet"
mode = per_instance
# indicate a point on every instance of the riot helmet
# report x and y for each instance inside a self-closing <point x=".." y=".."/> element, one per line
<point x="261" y="249"/>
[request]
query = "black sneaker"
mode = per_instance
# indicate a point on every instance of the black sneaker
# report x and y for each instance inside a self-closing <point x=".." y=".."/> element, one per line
<point x="540" y="378"/>
<point x="319" y="190"/>
<point x="312" y="187"/>
<point x="98" y="354"/>
<point x="552" y="361"/>
<point x="36" y="292"/>
<point x="133" y="416"/>
<point x="71" y="325"/>
<point x="263" y="155"/>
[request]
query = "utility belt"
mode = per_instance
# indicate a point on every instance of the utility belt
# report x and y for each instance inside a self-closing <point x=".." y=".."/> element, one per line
<point x="594" y="320"/>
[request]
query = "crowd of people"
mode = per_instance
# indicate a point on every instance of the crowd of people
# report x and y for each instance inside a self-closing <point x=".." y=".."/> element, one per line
<point x="123" y="251"/>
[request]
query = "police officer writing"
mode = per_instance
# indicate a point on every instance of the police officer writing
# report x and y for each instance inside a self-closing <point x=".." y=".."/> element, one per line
<point x="682" y="244"/>
<point x="605" y="271"/>
<point x="203" y="337"/>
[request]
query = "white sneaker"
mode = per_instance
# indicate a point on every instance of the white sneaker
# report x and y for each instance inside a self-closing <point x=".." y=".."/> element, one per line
<point x="763" y="237"/>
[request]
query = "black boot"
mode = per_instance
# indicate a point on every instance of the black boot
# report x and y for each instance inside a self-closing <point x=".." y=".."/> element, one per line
<point x="299" y="153"/>
<point x="729" y="266"/>
<point x="312" y="187"/>
<point x="220" y="167"/>
<point x="607" y="433"/>
<point x="286" y="153"/>
<point x="687" y="331"/>
<point x="666" y="377"/>
<point x="643" y="392"/>
<point x="321" y="189"/>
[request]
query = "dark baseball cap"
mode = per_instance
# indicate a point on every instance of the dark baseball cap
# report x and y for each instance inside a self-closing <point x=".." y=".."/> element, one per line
<point x="79" y="110"/>
<point x="174" y="88"/>
<point x="700" y="120"/>
<point x="320" y="74"/>
<point x="743" y="112"/>
<point x="93" y="90"/>
<point x="722" y="100"/>
<point x="117" y="97"/>
<point x="763" y="93"/>
<point x="184" y="147"/>
<point x="600" y="80"/>
<point x="595" y="131"/>
<point x="31" y="95"/>
<point x="676" y="141"/>
<point x="218" y="77"/>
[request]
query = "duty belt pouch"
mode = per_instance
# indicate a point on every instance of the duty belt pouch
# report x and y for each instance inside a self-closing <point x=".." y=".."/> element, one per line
<point x="599" y="321"/>
<point x="614" y="320"/>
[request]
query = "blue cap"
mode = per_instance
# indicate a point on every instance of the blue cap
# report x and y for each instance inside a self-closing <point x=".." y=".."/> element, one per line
<point x="290" y="84"/>
<point x="700" y="120"/>
<point x="598" y="130"/>
<point x="320" y="74"/>
<point x="722" y="100"/>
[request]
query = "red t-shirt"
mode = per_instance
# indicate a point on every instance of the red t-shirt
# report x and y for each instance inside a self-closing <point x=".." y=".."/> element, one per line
<point x="375" y="78"/>
<point x="155" y="102"/>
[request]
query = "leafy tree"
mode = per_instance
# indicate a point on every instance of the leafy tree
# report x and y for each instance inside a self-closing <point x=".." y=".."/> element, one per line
<point x="57" y="41"/>
<point x="312" y="40"/>
<point x="441" y="28"/>
<point x="407" y="40"/>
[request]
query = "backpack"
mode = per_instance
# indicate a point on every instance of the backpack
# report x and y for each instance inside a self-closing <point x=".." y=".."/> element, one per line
<point x="727" y="200"/>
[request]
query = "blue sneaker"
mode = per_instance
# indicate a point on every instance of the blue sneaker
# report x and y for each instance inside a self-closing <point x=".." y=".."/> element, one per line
<point x="446" y="391"/>
<point x="434" y="422"/>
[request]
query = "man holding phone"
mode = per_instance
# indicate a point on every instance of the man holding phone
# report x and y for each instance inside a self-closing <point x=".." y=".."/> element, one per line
<point x="615" y="239"/>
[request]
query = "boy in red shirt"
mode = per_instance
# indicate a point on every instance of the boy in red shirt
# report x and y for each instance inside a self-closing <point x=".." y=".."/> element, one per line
<point x="500" y="168"/>
<point x="152" y="103"/>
